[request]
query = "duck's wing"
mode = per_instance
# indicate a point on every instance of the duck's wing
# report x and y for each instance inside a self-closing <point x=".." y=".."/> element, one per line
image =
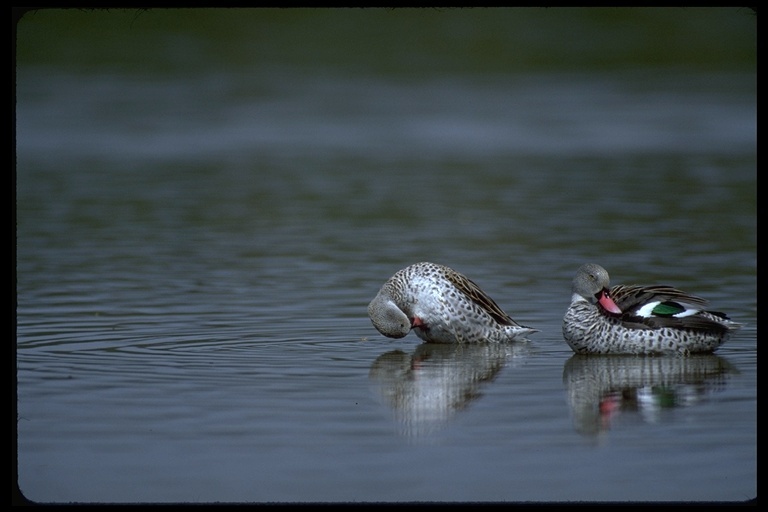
<point x="658" y="306"/>
<point x="479" y="297"/>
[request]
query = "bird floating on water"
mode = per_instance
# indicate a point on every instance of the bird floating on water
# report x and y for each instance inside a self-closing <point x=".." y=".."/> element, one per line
<point x="635" y="319"/>
<point x="441" y="306"/>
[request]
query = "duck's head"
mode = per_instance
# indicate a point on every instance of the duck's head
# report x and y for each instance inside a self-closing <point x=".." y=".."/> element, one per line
<point x="593" y="284"/>
<point x="388" y="318"/>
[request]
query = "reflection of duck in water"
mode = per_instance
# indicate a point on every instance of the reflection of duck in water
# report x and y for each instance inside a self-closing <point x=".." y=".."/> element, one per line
<point x="634" y="319"/>
<point x="426" y="388"/>
<point x="441" y="306"/>
<point x="600" y="388"/>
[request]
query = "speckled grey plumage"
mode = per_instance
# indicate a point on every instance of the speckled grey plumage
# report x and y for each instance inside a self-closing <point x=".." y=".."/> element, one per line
<point x="441" y="306"/>
<point x="589" y="328"/>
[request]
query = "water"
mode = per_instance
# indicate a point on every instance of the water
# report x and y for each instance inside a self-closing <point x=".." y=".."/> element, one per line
<point x="196" y="248"/>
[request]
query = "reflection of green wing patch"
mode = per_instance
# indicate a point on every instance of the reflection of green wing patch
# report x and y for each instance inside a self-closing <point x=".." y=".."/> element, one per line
<point x="668" y="309"/>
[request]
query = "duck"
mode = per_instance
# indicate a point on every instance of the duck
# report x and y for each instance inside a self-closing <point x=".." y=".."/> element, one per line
<point x="440" y="305"/>
<point x="639" y="319"/>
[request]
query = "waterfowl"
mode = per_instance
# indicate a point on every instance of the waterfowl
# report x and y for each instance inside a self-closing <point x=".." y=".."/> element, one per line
<point x="441" y="306"/>
<point x="636" y="319"/>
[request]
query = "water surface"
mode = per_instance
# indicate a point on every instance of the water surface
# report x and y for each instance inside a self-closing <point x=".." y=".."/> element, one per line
<point x="197" y="245"/>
